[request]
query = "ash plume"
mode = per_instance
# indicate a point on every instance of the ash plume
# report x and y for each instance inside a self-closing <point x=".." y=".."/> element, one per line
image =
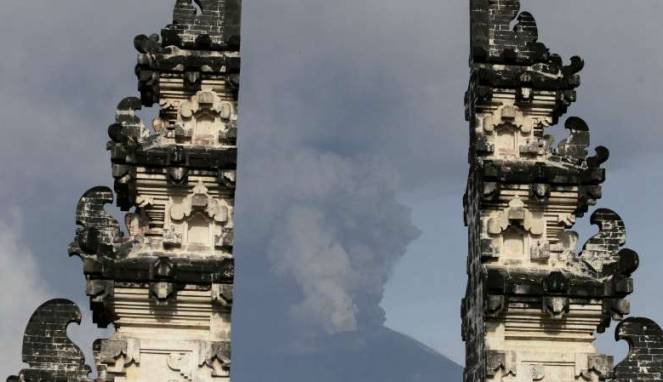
<point x="338" y="234"/>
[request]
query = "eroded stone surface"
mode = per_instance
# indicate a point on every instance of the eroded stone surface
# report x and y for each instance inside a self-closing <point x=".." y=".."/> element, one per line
<point x="645" y="358"/>
<point x="47" y="348"/>
<point x="166" y="285"/>
<point x="534" y="300"/>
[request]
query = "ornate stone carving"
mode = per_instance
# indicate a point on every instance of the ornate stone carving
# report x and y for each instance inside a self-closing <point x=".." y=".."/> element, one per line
<point x="575" y="145"/>
<point x="222" y="294"/>
<point x="515" y="214"/>
<point x="52" y="356"/>
<point x="199" y="221"/>
<point x="182" y="363"/>
<point x="593" y="367"/>
<point x="196" y="24"/>
<point x="216" y="356"/>
<point x="501" y="364"/>
<point x="115" y="356"/>
<point x="205" y="120"/>
<point x="529" y="291"/>
<point x="167" y="286"/>
<point x="603" y="248"/>
<point x="644" y="361"/>
<point x="98" y="232"/>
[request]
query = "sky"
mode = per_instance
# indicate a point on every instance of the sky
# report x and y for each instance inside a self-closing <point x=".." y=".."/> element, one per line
<point x="353" y="159"/>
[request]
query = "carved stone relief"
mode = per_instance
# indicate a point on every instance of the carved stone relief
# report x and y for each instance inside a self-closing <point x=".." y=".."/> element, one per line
<point x="199" y="221"/>
<point x="205" y="120"/>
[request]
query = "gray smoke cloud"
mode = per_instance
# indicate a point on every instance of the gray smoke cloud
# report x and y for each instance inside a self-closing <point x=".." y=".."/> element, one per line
<point x="338" y="233"/>
<point x="328" y="140"/>
<point x="327" y="222"/>
<point x="346" y="108"/>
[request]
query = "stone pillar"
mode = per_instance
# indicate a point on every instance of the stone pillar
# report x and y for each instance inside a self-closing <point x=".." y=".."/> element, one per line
<point x="166" y="285"/>
<point x="534" y="301"/>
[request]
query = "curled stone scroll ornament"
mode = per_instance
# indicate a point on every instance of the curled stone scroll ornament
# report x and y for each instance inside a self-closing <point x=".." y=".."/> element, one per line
<point x="644" y="361"/>
<point x="52" y="356"/>
<point x="98" y="231"/>
<point x="602" y="249"/>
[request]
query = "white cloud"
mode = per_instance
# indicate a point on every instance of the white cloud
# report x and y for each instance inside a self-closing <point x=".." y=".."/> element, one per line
<point x="22" y="291"/>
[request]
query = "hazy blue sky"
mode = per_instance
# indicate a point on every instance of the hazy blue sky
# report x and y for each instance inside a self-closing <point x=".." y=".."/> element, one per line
<point x="352" y="157"/>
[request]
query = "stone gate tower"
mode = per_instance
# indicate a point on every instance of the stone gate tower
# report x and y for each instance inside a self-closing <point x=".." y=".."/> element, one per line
<point x="166" y="285"/>
<point x="534" y="301"/>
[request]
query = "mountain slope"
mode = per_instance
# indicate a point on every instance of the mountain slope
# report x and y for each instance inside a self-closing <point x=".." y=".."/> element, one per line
<point x="381" y="355"/>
